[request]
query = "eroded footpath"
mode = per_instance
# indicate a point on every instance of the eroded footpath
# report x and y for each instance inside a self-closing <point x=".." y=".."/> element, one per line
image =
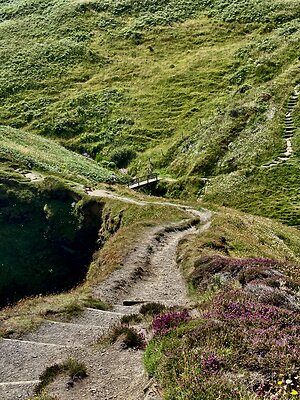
<point x="149" y="274"/>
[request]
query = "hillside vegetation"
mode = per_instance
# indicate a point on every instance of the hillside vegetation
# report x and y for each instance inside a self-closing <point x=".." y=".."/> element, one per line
<point x="199" y="87"/>
<point x="243" y="274"/>
<point x="95" y="91"/>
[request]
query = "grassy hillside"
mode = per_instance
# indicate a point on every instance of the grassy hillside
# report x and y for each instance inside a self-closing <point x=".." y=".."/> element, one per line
<point x="197" y="90"/>
<point x="28" y="151"/>
<point x="199" y="87"/>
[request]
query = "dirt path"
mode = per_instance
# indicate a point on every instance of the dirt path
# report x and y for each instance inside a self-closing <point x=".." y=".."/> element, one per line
<point x="149" y="274"/>
<point x="205" y="215"/>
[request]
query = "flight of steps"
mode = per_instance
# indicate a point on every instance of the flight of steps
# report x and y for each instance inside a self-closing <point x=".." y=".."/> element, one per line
<point x="22" y="360"/>
<point x="288" y="133"/>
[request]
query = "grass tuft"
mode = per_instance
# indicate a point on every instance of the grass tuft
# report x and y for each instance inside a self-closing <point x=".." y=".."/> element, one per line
<point x="129" y="337"/>
<point x="152" y="309"/>
<point x="76" y="371"/>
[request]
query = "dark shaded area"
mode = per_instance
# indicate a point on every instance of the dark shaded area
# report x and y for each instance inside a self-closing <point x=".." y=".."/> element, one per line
<point x="47" y="239"/>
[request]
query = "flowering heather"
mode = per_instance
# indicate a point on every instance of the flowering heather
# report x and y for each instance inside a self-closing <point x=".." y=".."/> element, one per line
<point x="245" y="270"/>
<point x="165" y="323"/>
<point x="245" y="345"/>
<point x="252" y="312"/>
<point x="210" y="363"/>
<point x="217" y="263"/>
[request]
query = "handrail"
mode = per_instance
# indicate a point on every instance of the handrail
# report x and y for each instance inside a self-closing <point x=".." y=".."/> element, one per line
<point x="145" y="178"/>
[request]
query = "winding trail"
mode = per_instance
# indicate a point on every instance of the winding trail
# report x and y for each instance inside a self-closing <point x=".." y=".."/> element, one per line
<point x="149" y="273"/>
<point x="288" y="133"/>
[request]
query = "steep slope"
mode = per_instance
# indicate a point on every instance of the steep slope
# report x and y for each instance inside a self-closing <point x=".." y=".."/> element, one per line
<point x="145" y="271"/>
<point x="150" y="271"/>
<point x="198" y="87"/>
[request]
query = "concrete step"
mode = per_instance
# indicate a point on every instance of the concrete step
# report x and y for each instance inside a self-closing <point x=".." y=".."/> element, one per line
<point x="66" y="334"/>
<point x="270" y="165"/>
<point x="92" y="316"/>
<point x="25" y="360"/>
<point x="125" y="310"/>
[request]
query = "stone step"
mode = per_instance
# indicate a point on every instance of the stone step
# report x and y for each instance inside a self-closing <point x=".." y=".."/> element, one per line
<point x="25" y="360"/>
<point x="66" y="334"/>
<point x="125" y="310"/>
<point x="101" y="318"/>
<point x="18" y="383"/>
<point x="270" y="165"/>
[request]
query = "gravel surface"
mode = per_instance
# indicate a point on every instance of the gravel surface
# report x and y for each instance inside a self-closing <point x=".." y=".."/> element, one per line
<point x="149" y="274"/>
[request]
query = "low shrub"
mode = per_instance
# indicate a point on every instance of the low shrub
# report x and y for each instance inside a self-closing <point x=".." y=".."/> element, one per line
<point x="152" y="309"/>
<point x="126" y="319"/>
<point x="237" y="349"/>
<point x="122" y="156"/>
<point x="165" y="323"/>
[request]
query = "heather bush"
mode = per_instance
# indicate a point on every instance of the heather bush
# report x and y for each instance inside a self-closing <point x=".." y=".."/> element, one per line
<point x="165" y="323"/>
<point x="235" y="337"/>
<point x="246" y="270"/>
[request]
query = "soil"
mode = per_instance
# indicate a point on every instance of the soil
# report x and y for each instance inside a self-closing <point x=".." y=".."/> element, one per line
<point x="149" y="274"/>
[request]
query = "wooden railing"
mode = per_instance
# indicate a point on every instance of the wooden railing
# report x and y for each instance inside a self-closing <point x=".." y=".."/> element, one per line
<point x="143" y="179"/>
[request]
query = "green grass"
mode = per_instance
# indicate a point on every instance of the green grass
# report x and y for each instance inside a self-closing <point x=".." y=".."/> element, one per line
<point x="52" y="231"/>
<point x="35" y="152"/>
<point x="240" y="235"/>
<point x="198" y="87"/>
<point x="75" y="369"/>
<point x="270" y="192"/>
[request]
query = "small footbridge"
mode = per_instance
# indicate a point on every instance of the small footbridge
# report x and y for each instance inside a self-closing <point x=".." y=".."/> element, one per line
<point x="141" y="181"/>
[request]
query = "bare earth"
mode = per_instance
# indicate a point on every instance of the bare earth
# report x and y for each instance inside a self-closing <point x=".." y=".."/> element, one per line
<point x="149" y="274"/>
